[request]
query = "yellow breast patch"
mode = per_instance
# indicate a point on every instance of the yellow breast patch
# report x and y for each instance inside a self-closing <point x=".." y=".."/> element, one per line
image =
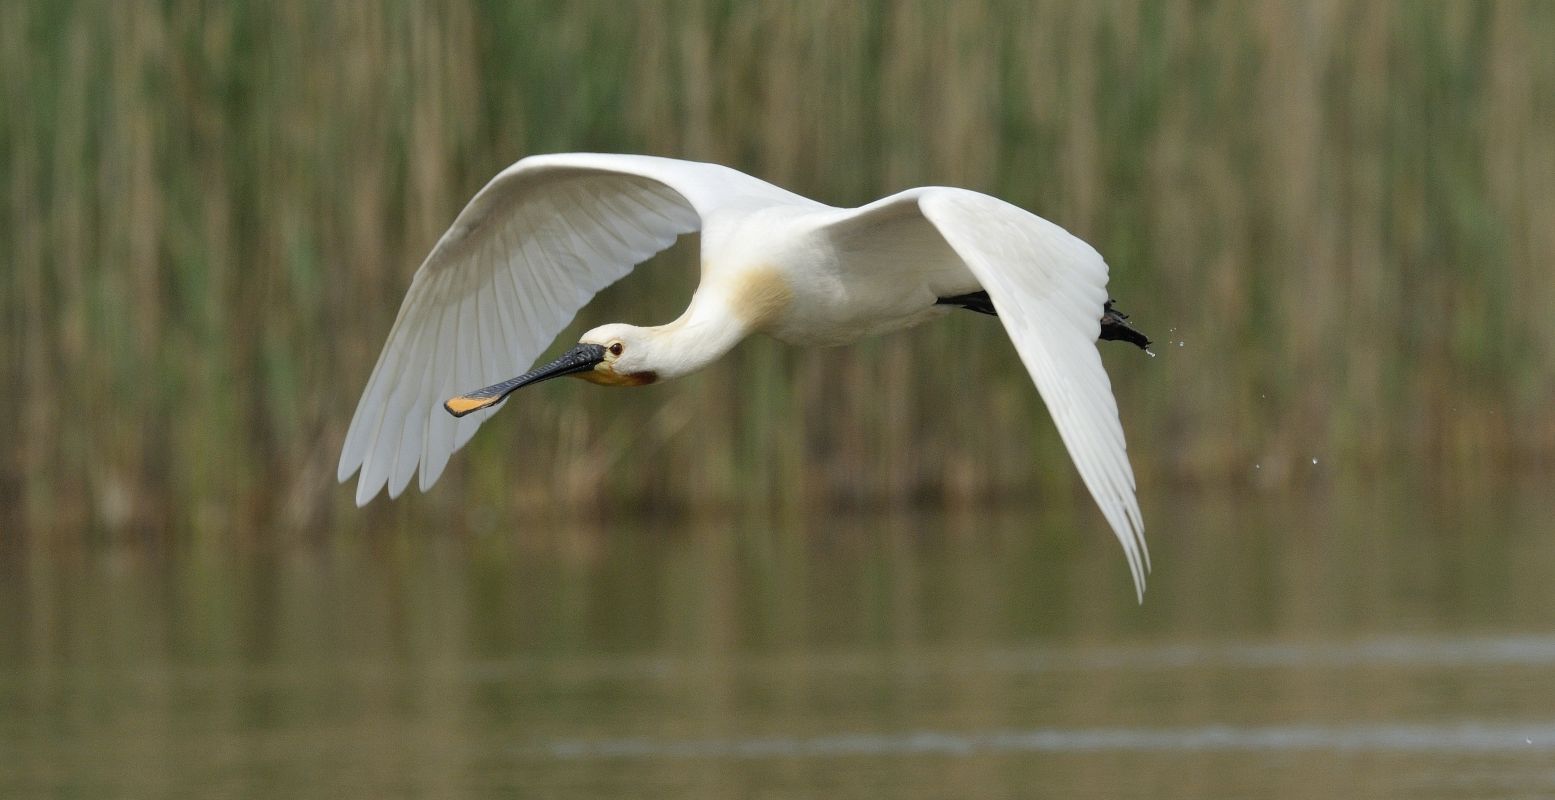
<point x="759" y="295"/>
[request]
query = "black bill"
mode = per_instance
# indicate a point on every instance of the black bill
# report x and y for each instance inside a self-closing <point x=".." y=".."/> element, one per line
<point x="579" y="359"/>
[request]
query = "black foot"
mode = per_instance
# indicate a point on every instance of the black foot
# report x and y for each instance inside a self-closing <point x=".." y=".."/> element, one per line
<point x="1115" y="327"/>
<point x="975" y="301"/>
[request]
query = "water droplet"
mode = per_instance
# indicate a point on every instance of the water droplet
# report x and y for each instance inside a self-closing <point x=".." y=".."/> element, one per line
<point x="1257" y="466"/>
<point x="1314" y="461"/>
<point x="1179" y="344"/>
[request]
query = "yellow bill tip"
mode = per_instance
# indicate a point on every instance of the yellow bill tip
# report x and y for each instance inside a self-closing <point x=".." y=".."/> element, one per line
<point x="464" y="404"/>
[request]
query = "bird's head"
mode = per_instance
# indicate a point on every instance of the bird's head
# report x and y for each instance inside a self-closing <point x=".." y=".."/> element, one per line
<point x="626" y="355"/>
<point x="610" y="355"/>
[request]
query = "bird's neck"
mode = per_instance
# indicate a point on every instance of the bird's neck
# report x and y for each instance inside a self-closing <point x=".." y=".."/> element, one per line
<point x="699" y="337"/>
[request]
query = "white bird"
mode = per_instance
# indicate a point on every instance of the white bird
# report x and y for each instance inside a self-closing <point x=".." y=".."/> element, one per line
<point x="549" y="232"/>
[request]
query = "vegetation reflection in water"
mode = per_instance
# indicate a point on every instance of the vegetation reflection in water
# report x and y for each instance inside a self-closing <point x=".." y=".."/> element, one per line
<point x="1362" y="644"/>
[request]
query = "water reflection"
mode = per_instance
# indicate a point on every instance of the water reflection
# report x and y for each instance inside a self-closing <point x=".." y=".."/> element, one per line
<point x="1380" y="643"/>
<point x="1451" y="739"/>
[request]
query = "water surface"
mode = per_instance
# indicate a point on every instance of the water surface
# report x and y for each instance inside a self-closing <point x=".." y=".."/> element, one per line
<point x="1368" y="643"/>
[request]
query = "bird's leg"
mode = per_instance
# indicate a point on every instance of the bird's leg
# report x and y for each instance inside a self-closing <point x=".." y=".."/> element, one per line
<point x="1115" y="327"/>
<point x="1114" y="323"/>
<point x="972" y="301"/>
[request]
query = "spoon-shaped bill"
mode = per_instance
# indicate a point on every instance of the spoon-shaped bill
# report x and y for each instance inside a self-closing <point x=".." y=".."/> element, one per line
<point x="579" y="359"/>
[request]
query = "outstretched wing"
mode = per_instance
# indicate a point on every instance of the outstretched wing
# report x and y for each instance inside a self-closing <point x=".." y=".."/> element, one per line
<point x="532" y="247"/>
<point x="1049" y="288"/>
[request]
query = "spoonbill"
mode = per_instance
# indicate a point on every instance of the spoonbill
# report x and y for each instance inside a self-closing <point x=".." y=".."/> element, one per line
<point x="550" y="231"/>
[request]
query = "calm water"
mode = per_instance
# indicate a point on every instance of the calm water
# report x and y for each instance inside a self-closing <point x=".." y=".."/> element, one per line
<point x="1371" y="643"/>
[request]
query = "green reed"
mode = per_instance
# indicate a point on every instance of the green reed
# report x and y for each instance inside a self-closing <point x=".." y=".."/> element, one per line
<point x="210" y="211"/>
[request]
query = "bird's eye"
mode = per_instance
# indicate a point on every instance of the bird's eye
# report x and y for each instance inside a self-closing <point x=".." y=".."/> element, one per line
<point x="616" y="348"/>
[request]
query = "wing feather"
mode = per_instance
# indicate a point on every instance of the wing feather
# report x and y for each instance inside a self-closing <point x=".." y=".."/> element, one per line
<point x="442" y="322"/>
<point x="407" y="455"/>
<point x="1050" y="289"/>
<point x="514" y="268"/>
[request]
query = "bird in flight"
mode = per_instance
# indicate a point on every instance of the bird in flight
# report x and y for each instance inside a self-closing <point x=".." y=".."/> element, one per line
<point x="548" y="233"/>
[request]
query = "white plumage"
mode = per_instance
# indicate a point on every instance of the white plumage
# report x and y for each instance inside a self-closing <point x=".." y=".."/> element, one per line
<point x="548" y="233"/>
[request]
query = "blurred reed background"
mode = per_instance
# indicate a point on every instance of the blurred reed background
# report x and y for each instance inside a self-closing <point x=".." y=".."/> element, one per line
<point x="1336" y="219"/>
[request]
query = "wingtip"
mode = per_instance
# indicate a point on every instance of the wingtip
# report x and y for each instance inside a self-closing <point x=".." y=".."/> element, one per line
<point x="347" y="467"/>
<point x="365" y="493"/>
<point x="1141" y="566"/>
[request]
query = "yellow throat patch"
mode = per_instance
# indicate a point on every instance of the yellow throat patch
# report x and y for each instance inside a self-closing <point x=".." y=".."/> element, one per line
<point x="604" y="375"/>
